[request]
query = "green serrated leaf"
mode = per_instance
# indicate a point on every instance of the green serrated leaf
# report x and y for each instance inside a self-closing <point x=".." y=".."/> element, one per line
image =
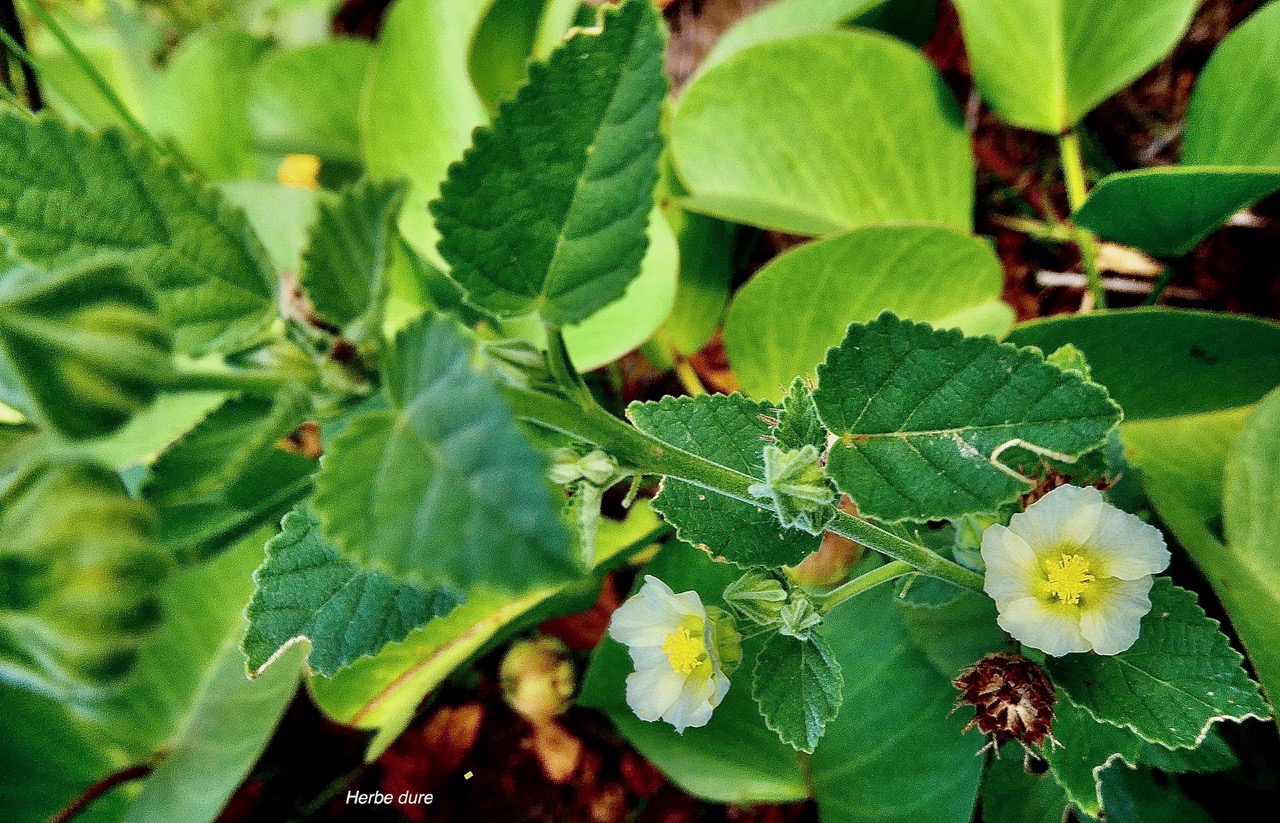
<point x="797" y="685"/>
<point x="67" y="194"/>
<point x="443" y="488"/>
<point x="85" y="343"/>
<point x="1010" y="794"/>
<point x="547" y="211"/>
<point x="727" y="430"/>
<point x="1173" y="684"/>
<point x="81" y="577"/>
<point x="228" y="475"/>
<point x="345" y="263"/>
<point x="923" y="418"/>
<point x="1086" y="748"/>
<point x="306" y="590"/>
<point x="798" y="423"/>
<point x="783" y="320"/>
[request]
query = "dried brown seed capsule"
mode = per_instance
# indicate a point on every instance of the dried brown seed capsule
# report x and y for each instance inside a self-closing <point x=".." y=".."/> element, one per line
<point x="1011" y="697"/>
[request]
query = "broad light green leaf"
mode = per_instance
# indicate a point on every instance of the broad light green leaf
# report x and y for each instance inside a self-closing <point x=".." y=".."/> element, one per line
<point x="709" y="761"/>
<point x="1168" y="362"/>
<point x="86" y="343"/>
<point x="547" y="211"/>
<point x="1176" y="681"/>
<point x="503" y="46"/>
<point x="766" y="138"/>
<point x="779" y="20"/>
<point x="307" y="591"/>
<point x="1045" y="64"/>
<point x="307" y="100"/>
<point x="45" y="761"/>
<point x="954" y="634"/>
<point x="1251" y="518"/>
<point x="443" y="488"/>
<point x="922" y="417"/>
<point x="785" y="318"/>
<point x="280" y="215"/>
<point x="1182" y="461"/>
<point x="1235" y="110"/>
<point x="706" y="270"/>
<point x="1168" y="211"/>
<point x="1230" y="157"/>
<point x="345" y="263"/>
<point x="420" y="107"/>
<point x="383" y="692"/>
<point x="228" y="476"/>
<point x="726" y="430"/>
<point x="895" y="753"/>
<point x="797" y="685"/>
<point x="189" y="696"/>
<point x="66" y="194"/>
<point x="198" y="101"/>
<point x="81" y="574"/>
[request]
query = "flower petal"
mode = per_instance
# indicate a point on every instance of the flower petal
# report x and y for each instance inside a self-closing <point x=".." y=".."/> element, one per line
<point x="1060" y="522"/>
<point x="695" y="704"/>
<point x="642" y="621"/>
<point x="1125" y="547"/>
<point x="1111" y="615"/>
<point x="1012" y="569"/>
<point x="651" y="692"/>
<point x="1053" y="630"/>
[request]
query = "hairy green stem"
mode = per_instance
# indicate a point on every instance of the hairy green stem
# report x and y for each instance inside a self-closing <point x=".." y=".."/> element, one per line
<point x="219" y="377"/>
<point x="1077" y="193"/>
<point x="649" y="455"/>
<point x="563" y="370"/>
<point x="864" y="582"/>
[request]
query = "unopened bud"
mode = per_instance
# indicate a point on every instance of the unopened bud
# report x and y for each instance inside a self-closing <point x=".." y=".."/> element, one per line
<point x="757" y="596"/>
<point x="537" y="678"/>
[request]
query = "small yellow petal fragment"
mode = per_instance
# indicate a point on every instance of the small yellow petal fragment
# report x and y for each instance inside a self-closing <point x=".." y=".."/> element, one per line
<point x="1069" y="578"/>
<point x="684" y="651"/>
<point x="299" y="171"/>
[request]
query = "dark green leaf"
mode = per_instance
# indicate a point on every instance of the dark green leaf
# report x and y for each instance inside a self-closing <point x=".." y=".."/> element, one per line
<point x="1173" y="684"/>
<point x="442" y="489"/>
<point x="797" y="685"/>
<point x="307" y="591"/>
<point x="923" y="417"/>
<point x="345" y="263"/>
<point x="728" y="431"/>
<point x="67" y="194"/>
<point x="547" y="211"/>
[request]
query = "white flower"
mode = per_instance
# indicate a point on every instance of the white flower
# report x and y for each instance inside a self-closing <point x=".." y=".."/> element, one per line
<point x="1072" y="573"/>
<point x="680" y="653"/>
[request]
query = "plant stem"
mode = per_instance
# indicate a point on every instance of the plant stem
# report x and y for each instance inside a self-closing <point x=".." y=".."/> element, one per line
<point x="13" y="28"/>
<point x="864" y="582"/>
<point x="647" y="454"/>
<point x="688" y="377"/>
<point x="207" y="377"/>
<point x="106" y="784"/>
<point x="563" y="370"/>
<point x="95" y="77"/>
<point x="1077" y="193"/>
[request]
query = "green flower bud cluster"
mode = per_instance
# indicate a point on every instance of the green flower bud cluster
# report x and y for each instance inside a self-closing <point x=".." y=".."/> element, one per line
<point x="82" y="576"/>
<point x="765" y="600"/>
<point x="796" y="487"/>
<point x="595" y="467"/>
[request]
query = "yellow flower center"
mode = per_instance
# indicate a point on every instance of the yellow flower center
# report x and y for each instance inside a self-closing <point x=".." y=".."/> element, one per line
<point x="1069" y="578"/>
<point x="684" y="651"/>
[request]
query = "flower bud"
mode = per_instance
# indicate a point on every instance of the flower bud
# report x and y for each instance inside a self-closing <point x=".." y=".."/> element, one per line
<point x="537" y="678"/>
